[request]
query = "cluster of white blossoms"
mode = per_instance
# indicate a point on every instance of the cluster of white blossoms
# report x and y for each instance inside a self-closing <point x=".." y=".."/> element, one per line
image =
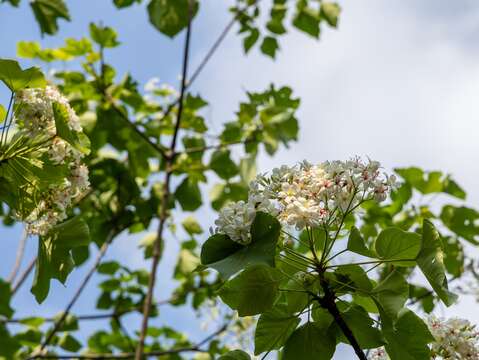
<point x="306" y="195"/>
<point x="35" y="118"/>
<point x="455" y="339"/>
<point x="378" y="354"/>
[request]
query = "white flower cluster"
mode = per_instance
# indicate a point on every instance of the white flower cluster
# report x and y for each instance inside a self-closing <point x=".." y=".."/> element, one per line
<point x="306" y="195"/>
<point x="455" y="339"/>
<point x="35" y="118"/>
<point x="378" y="354"/>
<point x="155" y="89"/>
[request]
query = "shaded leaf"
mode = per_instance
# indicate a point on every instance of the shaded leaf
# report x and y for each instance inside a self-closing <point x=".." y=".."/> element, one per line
<point x="17" y="79"/>
<point x="430" y="262"/>
<point x="170" y="16"/>
<point x="188" y="194"/>
<point x="391" y="294"/>
<point x="308" y="341"/>
<point x="227" y="257"/>
<point x="396" y="244"/>
<point x="253" y="291"/>
<point x="357" y="244"/>
<point x="273" y="329"/>
<point x="47" y="13"/>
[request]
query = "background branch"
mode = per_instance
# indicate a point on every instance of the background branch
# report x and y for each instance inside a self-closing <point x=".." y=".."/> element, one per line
<point x="195" y="348"/>
<point x="19" y="257"/>
<point x="166" y="195"/>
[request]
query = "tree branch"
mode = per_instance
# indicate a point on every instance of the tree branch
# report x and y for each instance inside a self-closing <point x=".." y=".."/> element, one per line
<point x="203" y="63"/>
<point x="328" y="302"/>
<point x="214" y="147"/>
<point x="166" y="195"/>
<point x="19" y="257"/>
<point x="24" y="275"/>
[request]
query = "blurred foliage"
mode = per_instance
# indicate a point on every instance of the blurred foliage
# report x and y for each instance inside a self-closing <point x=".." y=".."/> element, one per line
<point x="129" y="130"/>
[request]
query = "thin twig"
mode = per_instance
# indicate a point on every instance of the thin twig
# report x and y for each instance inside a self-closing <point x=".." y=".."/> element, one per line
<point x="24" y="275"/>
<point x="212" y="50"/>
<point x="19" y="257"/>
<point x="127" y="121"/>
<point x="214" y="147"/>
<point x="89" y="317"/>
<point x="195" y="348"/>
<point x="166" y="195"/>
<point x="203" y="63"/>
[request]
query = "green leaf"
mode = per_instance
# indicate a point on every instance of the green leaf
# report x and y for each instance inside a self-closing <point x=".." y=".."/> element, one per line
<point x="170" y="16"/>
<point x="250" y="40"/>
<point x="217" y="248"/>
<point x="247" y="169"/>
<point x="188" y="195"/>
<point x="17" y="79"/>
<point x="270" y="46"/>
<point x="452" y="188"/>
<point x="426" y="183"/>
<point x="227" y="257"/>
<point x="69" y="343"/>
<point x="108" y="268"/>
<point x="191" y="225"/>
<point x="125" y="3"/>
<point x="12" y="2"/>
<point x="310" y="342"/>
<point x="430" y="262"/>
<point x="362" y="327"/>
<point x="408" y="338"/>
<point x="76" y="139"/>
<point x="3" y="114"/>
<point x="55" y="259"/>
<point x="222" y="164"/>
<point x="5" y="295"/>
<point x="273" y="329"/>
<point x="355" y="276"/>
<point x="307" y="20"/>
<point x="104" y="36"/>
<point x="8" y="344"/>
<point x="223" y="193"/>
<point x="187" y="263"/>
<point x="463" y="221"/>
<point x="357" y="244"/>
<point x="47" y="13"/>
<point x="296" y="299"/>
<point x="330" y="12"/>
<point x="396" y="244"/>
<point x="391" y="294"/>
<point x="253" y="291"/>
<point x="235" y="355"/>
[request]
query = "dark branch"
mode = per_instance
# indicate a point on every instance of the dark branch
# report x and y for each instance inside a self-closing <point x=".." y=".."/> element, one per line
<point x="328" y="302"/>
<point x="166" y="194"/>
<point x="214" y="147"/>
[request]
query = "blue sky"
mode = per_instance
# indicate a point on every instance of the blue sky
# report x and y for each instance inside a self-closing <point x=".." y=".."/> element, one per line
<point x="397" y="82"/>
